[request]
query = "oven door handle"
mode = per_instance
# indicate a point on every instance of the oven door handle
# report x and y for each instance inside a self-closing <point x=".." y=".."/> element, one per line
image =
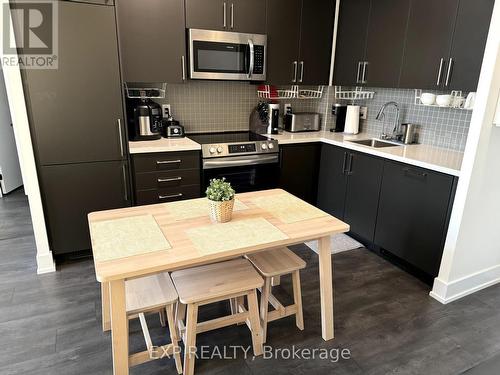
<point x="252" y="57"/>
<point x="240" y="161"/>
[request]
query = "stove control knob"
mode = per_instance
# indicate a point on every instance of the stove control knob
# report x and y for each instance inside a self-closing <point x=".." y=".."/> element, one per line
<point x="212" y="150"/>
<point x="271" y="146"/>
<point x="219" y="150"/>
<point x="264" y="146"/>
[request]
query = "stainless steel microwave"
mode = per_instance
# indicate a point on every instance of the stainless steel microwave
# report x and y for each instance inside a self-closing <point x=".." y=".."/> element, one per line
<point x="227" y="56"/>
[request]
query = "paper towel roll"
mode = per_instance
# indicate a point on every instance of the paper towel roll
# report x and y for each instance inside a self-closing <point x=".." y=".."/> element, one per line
<point x="352" y="120"/>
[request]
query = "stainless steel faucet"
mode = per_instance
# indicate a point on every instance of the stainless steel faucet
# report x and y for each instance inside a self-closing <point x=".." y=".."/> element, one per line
<point x="381" y="115"/>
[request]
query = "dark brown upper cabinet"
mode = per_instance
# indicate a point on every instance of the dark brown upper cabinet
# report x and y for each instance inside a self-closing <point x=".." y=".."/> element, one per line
<point x="445" y="44"/>
<point x="430" y="31"/>
<point x="316" y="35"/>
<point x="206" y="14"/>
<point x="152" y="40"/>
<point x="246" y="16"/>
<point x="300" y="37"/>
<point x="385" y="43"/>
<point x="283" y="41"/>
<point x="469" y="41"/>
<point x="370" y="42"/>
<point x="351" y="42"/>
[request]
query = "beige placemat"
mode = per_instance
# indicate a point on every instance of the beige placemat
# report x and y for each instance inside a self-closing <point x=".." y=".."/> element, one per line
<point x="287" y="208"/>
<point x="234" y="235"/>
<point x="189" y="209"/>
<point x="120" y="238"/>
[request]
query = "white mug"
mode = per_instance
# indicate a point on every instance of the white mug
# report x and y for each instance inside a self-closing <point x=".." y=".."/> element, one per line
<point x="470" y="101"/>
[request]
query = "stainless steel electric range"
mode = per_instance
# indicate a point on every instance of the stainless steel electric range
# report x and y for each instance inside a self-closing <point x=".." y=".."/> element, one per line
<point x="249" y="161"/>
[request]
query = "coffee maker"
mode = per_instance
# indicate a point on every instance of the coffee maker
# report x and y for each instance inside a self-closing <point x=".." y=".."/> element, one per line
<point x="264" y="119"/>
<point x="144" y="120"/>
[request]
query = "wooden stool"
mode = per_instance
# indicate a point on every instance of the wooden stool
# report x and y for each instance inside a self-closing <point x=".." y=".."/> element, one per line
<point x="276" y="263"/>
<point x="154" y="293"/>
<point x="212" y="283"/>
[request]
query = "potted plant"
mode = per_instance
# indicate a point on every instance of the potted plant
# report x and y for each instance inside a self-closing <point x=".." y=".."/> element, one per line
<point x="220" y="196"/>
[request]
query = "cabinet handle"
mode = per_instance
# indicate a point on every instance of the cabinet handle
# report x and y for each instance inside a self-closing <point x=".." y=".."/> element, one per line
<point x="301" y="71"/>
<point x="409" y="171"/>
<point x="125" y="188"/>
<point x="344" y="163"/>
<point x="224" y="14"/>
<point x="440" y="72"/>
<point x="120" y="135"/>
<point x="359" y="72"/>
<point x="168" y="161"/>
<point x="363" y="80"/>
<point x="351" y="158"/>
<point x="170" y="196"/>
<point x="232" y="15"/>
<point x="183" y="62"/>
<point x="295" y="66"/>
<point x="448" y="74"/>
<point x="169" y="179"/>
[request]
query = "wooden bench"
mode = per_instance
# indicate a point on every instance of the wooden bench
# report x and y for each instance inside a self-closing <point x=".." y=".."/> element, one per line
<point x="212" y="283"/>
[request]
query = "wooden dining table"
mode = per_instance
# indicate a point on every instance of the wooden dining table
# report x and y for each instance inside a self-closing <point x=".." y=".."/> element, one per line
<point x="143" y="240"/>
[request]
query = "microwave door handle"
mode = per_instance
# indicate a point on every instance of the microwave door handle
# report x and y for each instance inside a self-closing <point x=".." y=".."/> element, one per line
<point x="252" y="57"/>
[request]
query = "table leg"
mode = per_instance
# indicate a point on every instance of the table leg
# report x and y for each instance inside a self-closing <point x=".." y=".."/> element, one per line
<point x="326" y="287"/>
<point x="106" y="317"/>
<point x="119" y="327"/>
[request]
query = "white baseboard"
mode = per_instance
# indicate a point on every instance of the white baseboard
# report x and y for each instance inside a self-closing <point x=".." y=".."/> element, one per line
<point x="45" y="263"/>
<point x="448" y="292"/>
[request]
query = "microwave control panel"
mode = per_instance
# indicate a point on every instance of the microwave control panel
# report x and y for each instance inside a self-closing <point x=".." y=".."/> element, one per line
<point x="259" y="60"/>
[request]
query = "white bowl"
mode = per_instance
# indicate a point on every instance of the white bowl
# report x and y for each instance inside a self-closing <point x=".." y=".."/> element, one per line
<point x="427" y="98"/>
<point x="443" y="100"/>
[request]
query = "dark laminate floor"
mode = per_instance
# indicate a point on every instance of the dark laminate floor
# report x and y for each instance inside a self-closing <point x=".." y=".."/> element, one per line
<point x="50" y="324"/>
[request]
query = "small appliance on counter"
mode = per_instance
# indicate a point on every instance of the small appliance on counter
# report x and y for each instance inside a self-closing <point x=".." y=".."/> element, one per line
<point x="144" y="120"/>
<point x="339" y="112"/>
<point x="302" y="122"/>
<point x="408" y="133"/>
<point x="352" y="120"/>
<point x="172" y="128"/>
<point x="264" y="119"/>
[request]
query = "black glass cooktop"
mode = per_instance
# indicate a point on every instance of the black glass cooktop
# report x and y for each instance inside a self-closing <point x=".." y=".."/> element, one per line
<point x="226" y="137"/>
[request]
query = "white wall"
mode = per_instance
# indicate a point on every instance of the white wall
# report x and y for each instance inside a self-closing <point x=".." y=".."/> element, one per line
<point x="471" y="259"/>
<point x="9" y="162"/>
<point x="17" y="105"/>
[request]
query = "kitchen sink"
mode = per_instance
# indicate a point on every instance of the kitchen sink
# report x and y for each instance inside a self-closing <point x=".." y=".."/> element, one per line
<point x="376" y="143"/>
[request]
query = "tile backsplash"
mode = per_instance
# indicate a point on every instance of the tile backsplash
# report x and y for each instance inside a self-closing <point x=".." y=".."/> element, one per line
<point x="209" y="106"/>
<point x="441" y="127"/>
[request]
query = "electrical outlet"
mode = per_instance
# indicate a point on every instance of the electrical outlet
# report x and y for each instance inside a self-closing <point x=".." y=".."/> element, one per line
<point x="363" y="113"/>
<point x="166" y="111"/>
<point x="287" y="108"/>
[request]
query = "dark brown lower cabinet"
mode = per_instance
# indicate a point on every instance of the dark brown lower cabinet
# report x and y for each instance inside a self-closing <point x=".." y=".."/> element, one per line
<point x="166" y="177"/>
<point x="413" y="214"/>
<point x="349" y="188"/>
<point x="299" y="170"/>
<point x="363" y="189"/>
<point x="332" y="182"/>
<point x="72" y="191"/>
<point x="397" y="208"/>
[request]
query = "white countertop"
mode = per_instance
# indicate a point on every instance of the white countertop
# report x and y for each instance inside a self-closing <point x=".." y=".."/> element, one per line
<point x="434" y="158"/>
<point x="163" y="145"/>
